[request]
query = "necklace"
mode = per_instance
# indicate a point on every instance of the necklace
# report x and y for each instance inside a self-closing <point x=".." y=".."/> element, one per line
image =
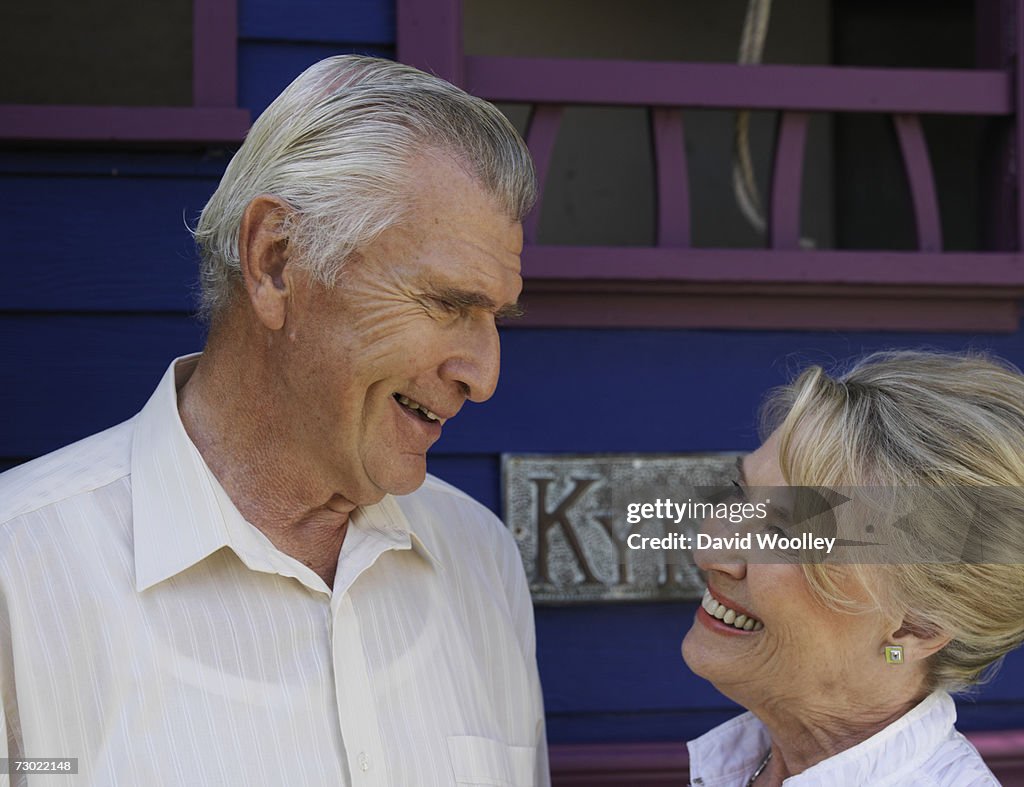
<point x="760" y="768"/>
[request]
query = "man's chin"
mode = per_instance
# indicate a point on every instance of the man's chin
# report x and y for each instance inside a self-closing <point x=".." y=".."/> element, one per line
<point x="403" y="479"/>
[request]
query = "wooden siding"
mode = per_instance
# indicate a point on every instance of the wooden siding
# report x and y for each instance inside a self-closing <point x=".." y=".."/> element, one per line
<point x="99" y="272"/>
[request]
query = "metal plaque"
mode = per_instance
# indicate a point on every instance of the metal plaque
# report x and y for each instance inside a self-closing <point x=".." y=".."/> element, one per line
<point x="568" y="515"/>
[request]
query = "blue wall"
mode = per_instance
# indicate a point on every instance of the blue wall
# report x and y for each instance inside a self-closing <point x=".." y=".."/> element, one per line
<point x="99" y="276"/>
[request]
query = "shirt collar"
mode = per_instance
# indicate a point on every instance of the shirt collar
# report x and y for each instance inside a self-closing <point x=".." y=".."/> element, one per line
<point x="728" y="754"/>
<point x="181" y="514"/>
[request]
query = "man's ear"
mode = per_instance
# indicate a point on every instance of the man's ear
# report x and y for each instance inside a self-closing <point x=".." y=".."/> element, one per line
<point x="263" y="251"/>
<point x="919" y="640"/>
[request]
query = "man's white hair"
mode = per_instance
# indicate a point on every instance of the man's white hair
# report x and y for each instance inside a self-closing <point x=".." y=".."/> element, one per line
<point x="336" y="146"/>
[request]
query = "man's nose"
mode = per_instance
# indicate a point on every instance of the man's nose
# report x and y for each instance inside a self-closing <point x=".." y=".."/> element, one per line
<point x="475" y="359"/>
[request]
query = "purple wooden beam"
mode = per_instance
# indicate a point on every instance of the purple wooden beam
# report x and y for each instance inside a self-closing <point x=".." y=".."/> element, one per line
<point x="1018" y="95"/>
<point x="663" y="763"/>
<point x="540" y="139"/>
<point x="429" y="34"/>
<point x="123" y="124"/>
<point x="797" y="307"/>
<point x="917" y="165"/>
<point x="670" y="172"/>
<point x="995" y="48"/>
<point x="788" y="181"/>
<point x="807" y="88"/>
<point x="215" y="53"/>
<point x="982" y="269"/>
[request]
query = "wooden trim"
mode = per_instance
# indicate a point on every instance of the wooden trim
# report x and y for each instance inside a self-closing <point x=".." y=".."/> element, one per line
<point x="918" y="168"/>
<point x="541" y="134"/>
<point x="215" y="53"/>
<point x="214" y="115"/>
<point x="671" y="173"/>
<point x="721" y="85"/>
<point x="643" y="764"/>
<point x="788" y="181"/>
<point x="647" y="263"/>
<point x="780" y="307"/>
<point x="24" y="122"/>
<point x="429" y="36"/>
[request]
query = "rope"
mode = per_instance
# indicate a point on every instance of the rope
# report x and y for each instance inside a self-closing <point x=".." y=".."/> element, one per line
<point x="744" y="182"/>
<point x="748" y="198"/>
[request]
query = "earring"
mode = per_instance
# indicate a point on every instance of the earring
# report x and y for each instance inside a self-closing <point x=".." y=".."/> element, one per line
<point x="893" y="654"/>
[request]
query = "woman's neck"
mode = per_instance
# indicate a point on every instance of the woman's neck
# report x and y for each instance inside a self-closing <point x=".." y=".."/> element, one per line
<point x="801" y="737"/>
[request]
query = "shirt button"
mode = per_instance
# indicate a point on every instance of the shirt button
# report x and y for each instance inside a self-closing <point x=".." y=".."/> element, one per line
<point x="364" y="761"/>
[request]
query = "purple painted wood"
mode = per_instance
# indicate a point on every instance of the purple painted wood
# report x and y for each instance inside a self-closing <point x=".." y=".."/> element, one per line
<point x="213" y="117"/>
<point x="642" y="764"/>
<point x="1018" y="28"/>
<point x="128" y="124"/>
<point x="215" y="53"/>
<point x="585" y="263"/>
<point x="540" y="139"/>
<point x="584" y="304"/>
<point x="430" y="37"/>
<point x="995" y="48"/>
<point x="917" y="165"/>
<point x="788" y="181"/>
<point x="810" y="88"/>
<point x="672" y="176"/>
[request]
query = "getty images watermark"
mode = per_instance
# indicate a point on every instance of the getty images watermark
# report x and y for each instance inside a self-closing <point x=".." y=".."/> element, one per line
<point x="843" y="525"/>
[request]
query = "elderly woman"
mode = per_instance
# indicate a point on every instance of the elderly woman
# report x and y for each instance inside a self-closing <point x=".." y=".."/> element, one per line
<point x="846" y="669"/>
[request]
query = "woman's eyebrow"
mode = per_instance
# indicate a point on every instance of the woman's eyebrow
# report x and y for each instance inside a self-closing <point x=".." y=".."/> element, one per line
<point x="739" y="469"/>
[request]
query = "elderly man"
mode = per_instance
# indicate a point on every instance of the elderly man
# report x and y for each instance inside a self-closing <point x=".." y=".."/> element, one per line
<point x="253" y="581"/>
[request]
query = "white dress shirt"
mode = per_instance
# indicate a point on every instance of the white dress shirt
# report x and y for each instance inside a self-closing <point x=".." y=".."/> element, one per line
<point x="148" y="630"/>
<point x="919" y="749"/>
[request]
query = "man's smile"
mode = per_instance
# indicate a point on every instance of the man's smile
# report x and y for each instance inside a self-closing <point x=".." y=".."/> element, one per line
<point x="420" y="410"/>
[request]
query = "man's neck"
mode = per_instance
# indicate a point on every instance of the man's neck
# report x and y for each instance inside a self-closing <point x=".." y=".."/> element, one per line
<point x="236" y="436"/>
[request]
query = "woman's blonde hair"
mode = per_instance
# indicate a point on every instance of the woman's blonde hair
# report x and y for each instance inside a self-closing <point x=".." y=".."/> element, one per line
<point x="922" y="420"/>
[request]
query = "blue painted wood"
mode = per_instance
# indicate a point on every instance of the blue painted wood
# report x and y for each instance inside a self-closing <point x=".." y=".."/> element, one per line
<point x="111" y="243"/>
<point x="675" y="726"/>
<point x="609" y="672"/>
<point x="657" y="390"/>
<point x="616" y="673"/>
<point x="327" y="21"/>
<point x="205" y="163"/>
<point x="477" y="474"/>
<point x="267" y="68"/>
<point x="76" y="375"/>
<point x="652" y="391"/>
<point x="618" y="659"/>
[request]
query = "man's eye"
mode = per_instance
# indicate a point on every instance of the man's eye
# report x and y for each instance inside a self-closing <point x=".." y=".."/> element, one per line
<point x="446" y="306"/>
<point x="737" y="493"/>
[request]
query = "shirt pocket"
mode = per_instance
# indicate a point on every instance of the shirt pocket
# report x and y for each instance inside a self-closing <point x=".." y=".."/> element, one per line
<point x="489" y="763"/>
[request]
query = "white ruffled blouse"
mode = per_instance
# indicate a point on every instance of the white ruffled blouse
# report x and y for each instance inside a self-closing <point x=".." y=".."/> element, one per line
<point x="919" y="749"/>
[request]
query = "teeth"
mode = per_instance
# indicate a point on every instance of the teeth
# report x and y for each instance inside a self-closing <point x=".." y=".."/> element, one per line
<point x="730" y="616"/>
<point x="414" y="405"/>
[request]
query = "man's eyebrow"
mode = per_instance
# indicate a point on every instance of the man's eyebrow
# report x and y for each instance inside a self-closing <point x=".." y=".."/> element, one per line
<point x="467" y="299"/>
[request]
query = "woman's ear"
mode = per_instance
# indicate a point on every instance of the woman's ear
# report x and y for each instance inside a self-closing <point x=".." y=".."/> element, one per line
<point x="918" y="640"/>
<point x="263" y="252"/>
